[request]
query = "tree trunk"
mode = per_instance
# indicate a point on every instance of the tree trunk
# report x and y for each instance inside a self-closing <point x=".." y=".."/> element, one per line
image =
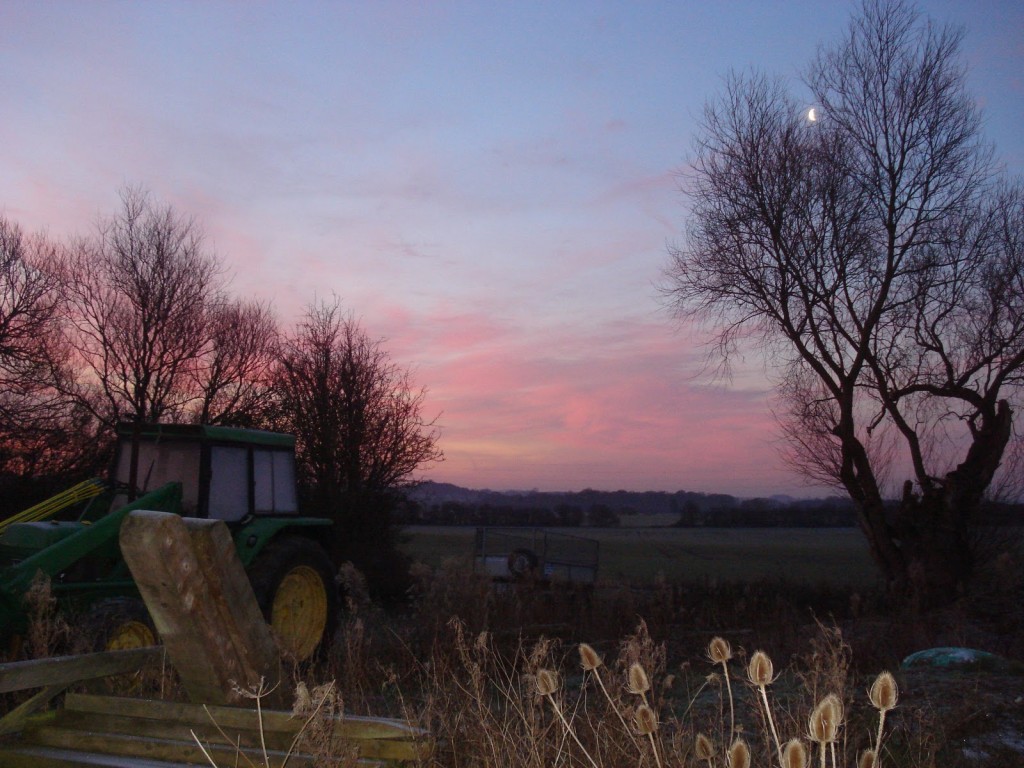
<point x="923" y="546"/>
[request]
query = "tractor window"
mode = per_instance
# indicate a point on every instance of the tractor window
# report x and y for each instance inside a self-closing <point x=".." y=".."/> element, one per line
<point x="274" y="482"/>
<point x="162" y="462"/>
<point x="229" y="483"/>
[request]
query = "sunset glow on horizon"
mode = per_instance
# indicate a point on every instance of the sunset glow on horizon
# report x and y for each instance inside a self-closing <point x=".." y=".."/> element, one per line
<point x="489" y="187"/>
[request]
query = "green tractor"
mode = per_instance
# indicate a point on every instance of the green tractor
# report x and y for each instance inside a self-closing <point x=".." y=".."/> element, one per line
<point x="244" y="477"/>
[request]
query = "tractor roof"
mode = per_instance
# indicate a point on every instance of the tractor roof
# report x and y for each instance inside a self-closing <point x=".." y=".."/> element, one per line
<point x="208" y="434"/>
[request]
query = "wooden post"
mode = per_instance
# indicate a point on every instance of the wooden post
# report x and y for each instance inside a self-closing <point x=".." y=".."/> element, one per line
<point x="204" y="608"/>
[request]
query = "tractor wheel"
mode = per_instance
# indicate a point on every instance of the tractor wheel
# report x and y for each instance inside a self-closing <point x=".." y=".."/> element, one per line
<point x="294" y="584"/>
<point x="119" y="624"/>
<point x="522" y="563"/>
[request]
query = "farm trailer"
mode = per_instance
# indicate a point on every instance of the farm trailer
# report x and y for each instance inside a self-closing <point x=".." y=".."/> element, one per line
<point x="521" y="554"/>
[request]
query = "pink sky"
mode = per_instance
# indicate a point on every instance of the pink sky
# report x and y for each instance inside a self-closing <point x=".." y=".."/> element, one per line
<point x="489" y="187"/>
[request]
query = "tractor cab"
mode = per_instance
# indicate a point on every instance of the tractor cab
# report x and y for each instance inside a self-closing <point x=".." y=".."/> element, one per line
<point x="225" y="473"/>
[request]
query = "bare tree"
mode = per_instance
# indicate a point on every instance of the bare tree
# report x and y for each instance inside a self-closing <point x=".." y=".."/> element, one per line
<point x="42" y="432"/>
<point x="233" y="378"/>
<point x="360" y="433"/>
<point x="356" y="414"/>
<point x="878" y="260"/>
<point x="141" y="293"/>
<point x="30" y="309"/>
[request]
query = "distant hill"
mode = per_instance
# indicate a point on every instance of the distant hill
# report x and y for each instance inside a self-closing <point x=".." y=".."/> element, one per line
<point x="445" y="503"/>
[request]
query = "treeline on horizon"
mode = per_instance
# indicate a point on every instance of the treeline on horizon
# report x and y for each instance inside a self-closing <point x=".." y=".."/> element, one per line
<point x="432" y="503"/>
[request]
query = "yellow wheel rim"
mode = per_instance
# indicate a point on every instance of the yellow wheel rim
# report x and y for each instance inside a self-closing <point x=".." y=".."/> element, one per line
<point x="131" y="634"/>
<point x="299" y="613"/>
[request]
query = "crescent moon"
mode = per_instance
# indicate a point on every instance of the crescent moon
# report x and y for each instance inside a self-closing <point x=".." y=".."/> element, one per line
<point x="812" y="115"/>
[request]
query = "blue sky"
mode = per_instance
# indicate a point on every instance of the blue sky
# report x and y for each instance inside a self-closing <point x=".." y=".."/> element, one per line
<point x="489" y="186"/>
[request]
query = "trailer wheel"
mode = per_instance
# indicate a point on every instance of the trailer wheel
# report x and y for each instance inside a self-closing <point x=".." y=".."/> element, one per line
<point x="522" y="563"/>
<point x="294" y="584"/>
<point x="119" y="624"/>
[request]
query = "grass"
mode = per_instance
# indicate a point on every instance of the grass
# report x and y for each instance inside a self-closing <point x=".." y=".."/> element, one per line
<point x="552" y="705"/>
<point x="465" y="660"/>
<point x="836" y="557"/>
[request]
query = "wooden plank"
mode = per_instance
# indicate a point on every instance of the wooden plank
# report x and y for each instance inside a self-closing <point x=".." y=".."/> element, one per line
<point x="51" y="757"/>
<point x="223" y="734"/>
<point x="351" y="726"/>
<point x="386" y="749"/>
<point x="16" y="719"/>
<point x="229" y="589"/>
<point x="65" y="670"/>
<point x="373" y="737"/>
<point x="171" y="750"/>
<point x="208" y="732"/>
<point x="202" y="603"/>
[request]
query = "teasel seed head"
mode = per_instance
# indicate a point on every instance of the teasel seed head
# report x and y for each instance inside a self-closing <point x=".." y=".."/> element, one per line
<point x="303" y="701"/>
<point x="547" y="682"/>
<point x="719" y="650"/>
<point x="589" y="658"/>
<point x="884" y="693"/>
<point x="646" y="720"/>
<point x="760" y="670"/>
<point x="867" y="759"/>
<point x="638" y="681"/>
<point x="823" y="725"/>
<point x="703" y="749"/>
<point x="739" y="754"/>
<point x="794" y="754"/>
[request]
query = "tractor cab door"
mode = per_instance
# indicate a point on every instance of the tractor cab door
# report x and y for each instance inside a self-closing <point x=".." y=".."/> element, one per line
<point x="248" y="480"/>
<point x="159" y="462"/>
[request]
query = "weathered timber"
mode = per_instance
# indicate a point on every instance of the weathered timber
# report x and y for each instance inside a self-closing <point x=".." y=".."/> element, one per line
<point x="112" y="731"/>
<point x="56" y="674"/>
<point x="372" y="736"/>
<point x="64" y="670"/>
<point x="165" y="750"/>
<point x="16" y="719"/>
<point x="199" y="596"/>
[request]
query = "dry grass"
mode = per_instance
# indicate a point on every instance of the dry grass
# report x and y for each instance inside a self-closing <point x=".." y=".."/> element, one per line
<point x="549" y="704"/>
<point x="464" y="661"/>
<point x="523" y="676"/>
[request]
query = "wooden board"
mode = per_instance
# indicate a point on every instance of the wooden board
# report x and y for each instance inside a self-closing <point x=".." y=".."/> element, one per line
<point x="203" y="606"/>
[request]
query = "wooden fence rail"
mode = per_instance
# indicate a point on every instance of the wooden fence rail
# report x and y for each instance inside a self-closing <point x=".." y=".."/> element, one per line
<point x="56" y="674"/>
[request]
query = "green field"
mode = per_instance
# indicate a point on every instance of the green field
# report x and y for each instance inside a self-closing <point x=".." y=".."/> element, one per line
<point x="832" y="556"/>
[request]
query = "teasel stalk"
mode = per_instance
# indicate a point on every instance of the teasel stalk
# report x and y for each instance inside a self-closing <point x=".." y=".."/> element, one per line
<point x="720" y="652"/>
<point x="592" y="662"/>
<point x="761" y="672"/>
<point x="646" y="721"/>
<point x="884" y="694"/>
<point x="547" y="684"/>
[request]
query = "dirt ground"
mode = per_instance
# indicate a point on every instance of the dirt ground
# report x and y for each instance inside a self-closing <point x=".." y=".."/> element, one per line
<point x="975" y="717"/>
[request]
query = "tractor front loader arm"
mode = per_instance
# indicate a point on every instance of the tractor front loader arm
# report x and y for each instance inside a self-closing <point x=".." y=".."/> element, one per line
<point x="54" y="559"/>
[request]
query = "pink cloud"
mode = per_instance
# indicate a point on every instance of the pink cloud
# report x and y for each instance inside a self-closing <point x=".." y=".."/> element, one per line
<point x="566" y="409"/>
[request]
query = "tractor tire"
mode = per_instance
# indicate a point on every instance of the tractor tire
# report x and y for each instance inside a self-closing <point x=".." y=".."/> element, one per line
<point x="293" y="580"/>
<point x="522" y="563"/>
<point x="118" y="624"/>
